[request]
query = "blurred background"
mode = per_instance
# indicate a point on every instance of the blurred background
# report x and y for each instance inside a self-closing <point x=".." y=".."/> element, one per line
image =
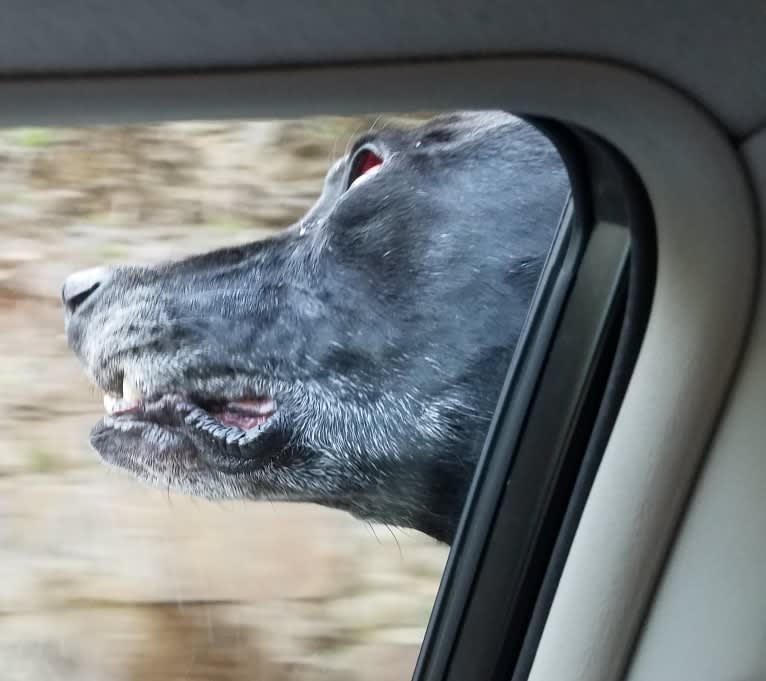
<point x="101" y="578"/>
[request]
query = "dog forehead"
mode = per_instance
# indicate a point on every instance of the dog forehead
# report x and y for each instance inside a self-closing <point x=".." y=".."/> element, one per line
<point x="463" y="124"/>
<point x="441" y="130"/>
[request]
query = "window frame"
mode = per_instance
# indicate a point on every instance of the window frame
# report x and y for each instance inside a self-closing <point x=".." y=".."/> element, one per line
<point x="491" y="605"/>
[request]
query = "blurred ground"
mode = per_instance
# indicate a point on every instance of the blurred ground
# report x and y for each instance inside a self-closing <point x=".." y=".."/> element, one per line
<point x="101" y="578"/>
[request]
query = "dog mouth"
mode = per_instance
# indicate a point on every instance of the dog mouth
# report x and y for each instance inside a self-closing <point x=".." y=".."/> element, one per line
<point x="230" y="421"/>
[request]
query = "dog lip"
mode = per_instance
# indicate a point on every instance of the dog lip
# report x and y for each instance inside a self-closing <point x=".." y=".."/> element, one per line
<point x="242" y="415"/>
<point x="236" y="421"/>
<point x="116" y="406"/>
<point x="235" y="435"/>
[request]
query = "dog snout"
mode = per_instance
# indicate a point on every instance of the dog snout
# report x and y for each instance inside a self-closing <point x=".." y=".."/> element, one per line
<point x="80" y="286"/>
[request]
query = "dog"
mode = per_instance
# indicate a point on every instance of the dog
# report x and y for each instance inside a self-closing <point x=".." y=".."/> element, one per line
<point x="353" y="360"/>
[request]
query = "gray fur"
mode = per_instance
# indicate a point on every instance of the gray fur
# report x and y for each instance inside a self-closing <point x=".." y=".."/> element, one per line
<point x="381" y="324"/>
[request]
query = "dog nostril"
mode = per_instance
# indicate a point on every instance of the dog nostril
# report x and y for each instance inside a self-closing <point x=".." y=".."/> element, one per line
<point x="78" y="299"/>
<point x="80" y="286"/>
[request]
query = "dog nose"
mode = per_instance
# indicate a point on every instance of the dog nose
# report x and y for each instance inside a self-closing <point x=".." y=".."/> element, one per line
<point x="79" y="286"/>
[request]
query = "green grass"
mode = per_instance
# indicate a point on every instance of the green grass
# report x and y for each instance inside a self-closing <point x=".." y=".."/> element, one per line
<point x="229" y="225"/>
<point x="40" y="459"/>
<point x="32" y="138"/>
<point x="111" y="252"/>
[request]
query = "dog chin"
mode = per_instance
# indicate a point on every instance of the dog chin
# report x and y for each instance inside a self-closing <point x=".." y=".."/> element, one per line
<point x="147" y="450"/>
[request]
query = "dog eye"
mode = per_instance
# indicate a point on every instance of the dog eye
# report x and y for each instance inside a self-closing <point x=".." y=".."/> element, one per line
<point x="364" y="162"/>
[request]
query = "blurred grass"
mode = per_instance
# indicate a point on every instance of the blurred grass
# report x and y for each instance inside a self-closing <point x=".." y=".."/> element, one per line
<point x="41" y="459"/>
<point x="32" y="138"/>
<point x="228" y="224"/>
<point x="112" y="252"/>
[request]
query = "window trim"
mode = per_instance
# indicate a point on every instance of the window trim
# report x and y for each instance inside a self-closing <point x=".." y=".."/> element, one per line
<point x="640" y="283"/>
<point x="489" y="596"/>
<point x="456" y="586"/>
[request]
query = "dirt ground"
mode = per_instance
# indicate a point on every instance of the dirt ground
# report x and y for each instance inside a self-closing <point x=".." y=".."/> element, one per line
<point x="101" y="578"/>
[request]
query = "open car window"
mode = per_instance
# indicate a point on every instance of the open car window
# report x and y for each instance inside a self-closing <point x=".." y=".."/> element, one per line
<point x="328" y="350"/>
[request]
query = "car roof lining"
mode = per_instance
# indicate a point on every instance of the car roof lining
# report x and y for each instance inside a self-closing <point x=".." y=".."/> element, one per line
<point x="144" y="37"/>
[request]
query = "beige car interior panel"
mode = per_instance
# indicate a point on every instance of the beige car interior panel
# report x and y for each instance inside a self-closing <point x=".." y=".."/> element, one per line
<point x="706" y="279"/>
<point x="708" y="619"/>
<point x="711" y="49"/>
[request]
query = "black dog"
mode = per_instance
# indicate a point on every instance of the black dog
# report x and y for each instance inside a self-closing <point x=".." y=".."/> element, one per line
<point x="355" y="359"/>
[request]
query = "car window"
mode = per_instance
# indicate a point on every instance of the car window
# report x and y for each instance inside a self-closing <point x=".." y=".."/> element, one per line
<point x="299" y="330"/>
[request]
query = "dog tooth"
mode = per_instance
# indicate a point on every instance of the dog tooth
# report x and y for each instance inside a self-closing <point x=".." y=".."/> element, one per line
<point x="115" y="405"/>
<point x="110" y="403"/>
<point x="129" y="392"/>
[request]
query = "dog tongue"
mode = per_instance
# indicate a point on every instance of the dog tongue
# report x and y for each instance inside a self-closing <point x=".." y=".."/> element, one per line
<point x="246" y="414"/>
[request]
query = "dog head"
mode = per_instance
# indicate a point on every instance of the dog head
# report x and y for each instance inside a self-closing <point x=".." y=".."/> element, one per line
<point x="353" y="360"/>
